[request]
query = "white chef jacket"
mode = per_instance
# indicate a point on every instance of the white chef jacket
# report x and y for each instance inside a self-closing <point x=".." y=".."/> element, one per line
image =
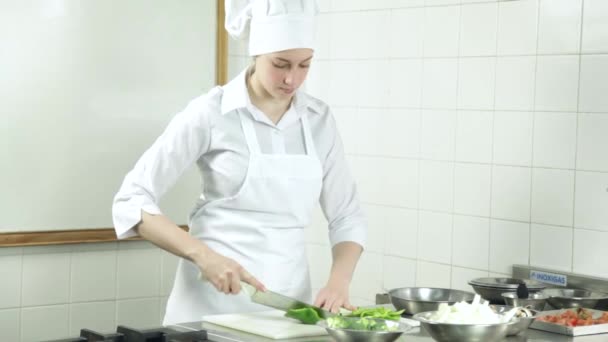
<point x="208" y="132"/>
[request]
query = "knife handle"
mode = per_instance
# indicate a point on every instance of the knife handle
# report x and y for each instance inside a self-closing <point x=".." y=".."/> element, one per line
<point x="249" y="289"/>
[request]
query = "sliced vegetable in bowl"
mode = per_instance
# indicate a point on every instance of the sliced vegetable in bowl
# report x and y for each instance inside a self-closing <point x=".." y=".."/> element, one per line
<point x="367" y="319"/>
<point x="363" y="329"/>
<point x="477" y="312"/>
<point x="376" y="312"/>
<point x="474" y="322"/>
<point x="359" y="323"/>
<point x="377" y="324"/>
<point x="310" y="316"/>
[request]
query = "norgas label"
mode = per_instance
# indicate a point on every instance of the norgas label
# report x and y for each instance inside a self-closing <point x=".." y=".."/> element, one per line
<point x="549" y="278"/>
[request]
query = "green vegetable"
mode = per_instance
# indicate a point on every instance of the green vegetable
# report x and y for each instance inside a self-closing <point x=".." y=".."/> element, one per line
<point x="378" y="312"/>
<point x="366" y="315"/>
<point x="370" y="319"/>
<point x="304" y="315"/>
<point x="363" y="323"/>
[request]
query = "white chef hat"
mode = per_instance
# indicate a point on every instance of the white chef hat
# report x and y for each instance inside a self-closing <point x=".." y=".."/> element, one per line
<point x="272" y="25"/>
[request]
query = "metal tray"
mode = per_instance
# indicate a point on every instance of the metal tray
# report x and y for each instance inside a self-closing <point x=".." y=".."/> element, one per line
<point x="570" y="331"/>
<point x="507" y="283"/>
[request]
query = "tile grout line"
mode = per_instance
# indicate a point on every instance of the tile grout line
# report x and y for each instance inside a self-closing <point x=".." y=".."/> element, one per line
<point x="459" y="108"/>
<point x="418" y="157"/>
<point x="116" y="272"/>
<point x="20" y="327"/>
<point x="530" y="208"/>
<point x="578" y="116"/>
<point x="85" y="302"/>
<point x="160" y="283"/>
<point x="69" y="299"/>
<point x="493" y="138"/>
<point x="504" y="219"/>
<point x="389" y="60"/>
<point x="455" y="130"/>
<point x="413" y="57"/>
<point x="371" y="156"/>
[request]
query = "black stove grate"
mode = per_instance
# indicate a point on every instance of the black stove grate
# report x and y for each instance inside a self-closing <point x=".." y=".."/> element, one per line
<point x="126" y="334"/>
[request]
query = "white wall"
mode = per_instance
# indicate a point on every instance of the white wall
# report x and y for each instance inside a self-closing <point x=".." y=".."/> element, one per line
<point x="52" y="292"/>
<point x="86" y="87"/>
<point x="477" y="133"/>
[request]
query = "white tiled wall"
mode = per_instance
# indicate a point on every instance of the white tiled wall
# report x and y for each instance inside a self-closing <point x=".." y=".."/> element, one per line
<point x="477" y="135"/>
<point x="52" y="292"/>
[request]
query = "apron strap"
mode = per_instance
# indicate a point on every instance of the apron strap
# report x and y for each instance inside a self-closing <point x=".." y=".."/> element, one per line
<point x="310" y="145"/>
<point x="250" y="136"/>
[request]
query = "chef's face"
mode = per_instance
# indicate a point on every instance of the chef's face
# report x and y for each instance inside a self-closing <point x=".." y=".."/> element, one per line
<point x="281" y="73"/>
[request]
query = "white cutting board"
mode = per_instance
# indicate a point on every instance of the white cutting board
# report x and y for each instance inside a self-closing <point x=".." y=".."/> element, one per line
<point x="271" y="324"/>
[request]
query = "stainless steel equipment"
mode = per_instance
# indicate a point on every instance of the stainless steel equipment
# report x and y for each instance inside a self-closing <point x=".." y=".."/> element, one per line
<point x="493" y="288"/>
<point x="562" y="329"/>
<point x="573" y="298"/>
<point x="127" y="334"/>
<point x="453" y="332"/>
<point x="535" y="301"/>
<point x="521" y="325"/>
<point x="420" y="299"/>
<point x="353" y="335"/>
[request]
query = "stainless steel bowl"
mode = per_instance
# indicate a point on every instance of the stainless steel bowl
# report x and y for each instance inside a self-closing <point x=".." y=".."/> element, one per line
<point x="521" y="324"/>
<point x="450" y="332"/>
<point x="573" y="298"/>
<point x="353" y="335"/>
<point x="420" y="299"/>
<point x="535" y="301"/>
<point x="493" y="288"/>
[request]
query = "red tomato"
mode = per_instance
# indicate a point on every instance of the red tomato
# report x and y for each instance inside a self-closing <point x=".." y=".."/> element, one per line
<point x="573" y="318"/>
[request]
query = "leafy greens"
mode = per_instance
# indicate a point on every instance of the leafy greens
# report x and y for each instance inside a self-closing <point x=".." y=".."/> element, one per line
<point x="370" y="319"/>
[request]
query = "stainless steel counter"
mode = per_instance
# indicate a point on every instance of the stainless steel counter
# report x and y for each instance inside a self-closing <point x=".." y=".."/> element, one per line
<point x="221" y="334"/>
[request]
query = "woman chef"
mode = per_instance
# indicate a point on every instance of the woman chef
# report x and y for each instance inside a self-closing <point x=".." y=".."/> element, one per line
<point x="268" y="153"/>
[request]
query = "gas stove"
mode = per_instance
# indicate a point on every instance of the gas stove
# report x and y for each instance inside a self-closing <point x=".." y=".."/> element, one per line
<point x="126" y="334"/>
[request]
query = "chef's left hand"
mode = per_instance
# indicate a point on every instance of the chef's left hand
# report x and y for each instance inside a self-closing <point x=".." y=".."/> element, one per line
<point x="334" y="296"/>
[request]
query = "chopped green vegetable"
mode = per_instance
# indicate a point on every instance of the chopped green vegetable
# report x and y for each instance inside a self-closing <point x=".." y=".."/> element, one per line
<point x="378" y="312"/>
<point x="363" y="323"/>
<point x="370" y="319"/>
<point x="366" y="315"/>
<point x="304" y="315"/>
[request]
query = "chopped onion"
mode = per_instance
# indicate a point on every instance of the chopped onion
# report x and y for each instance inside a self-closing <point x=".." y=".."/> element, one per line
<point x="478" y="312"/>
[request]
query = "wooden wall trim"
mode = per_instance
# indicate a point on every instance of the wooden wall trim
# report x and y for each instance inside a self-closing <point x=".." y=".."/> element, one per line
<point x="221" y="56"/>
<point x="60" y="237"/>
<point x="63" y="237"/>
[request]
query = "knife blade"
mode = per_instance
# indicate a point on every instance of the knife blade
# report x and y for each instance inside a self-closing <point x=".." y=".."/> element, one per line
<point x="281" y="302"/>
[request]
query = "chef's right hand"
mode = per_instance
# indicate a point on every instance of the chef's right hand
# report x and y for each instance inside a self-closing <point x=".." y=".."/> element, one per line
<point x="226" y="274"/>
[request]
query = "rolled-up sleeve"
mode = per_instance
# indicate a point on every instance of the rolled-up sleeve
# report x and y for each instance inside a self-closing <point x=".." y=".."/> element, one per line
<point x="339" y="199"/>
<point x="184" y="140"/>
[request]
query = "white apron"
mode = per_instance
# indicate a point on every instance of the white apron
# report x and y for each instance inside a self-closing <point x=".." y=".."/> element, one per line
<point x="261" y="228"/>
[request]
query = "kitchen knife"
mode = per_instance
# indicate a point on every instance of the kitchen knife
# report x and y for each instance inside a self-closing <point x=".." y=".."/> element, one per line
<point x="279" y="301"/>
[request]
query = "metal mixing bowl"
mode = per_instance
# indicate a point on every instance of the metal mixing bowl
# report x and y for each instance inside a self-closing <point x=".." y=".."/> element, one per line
<point x="420" y="299"/>
<point x="452" y="332"/>
<point x="535" y="301"/>
<point x="573" y="298"/>
<point x="521" y="324"/>
<point x="493" y="288"/>
<point x="353" y="335"/>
